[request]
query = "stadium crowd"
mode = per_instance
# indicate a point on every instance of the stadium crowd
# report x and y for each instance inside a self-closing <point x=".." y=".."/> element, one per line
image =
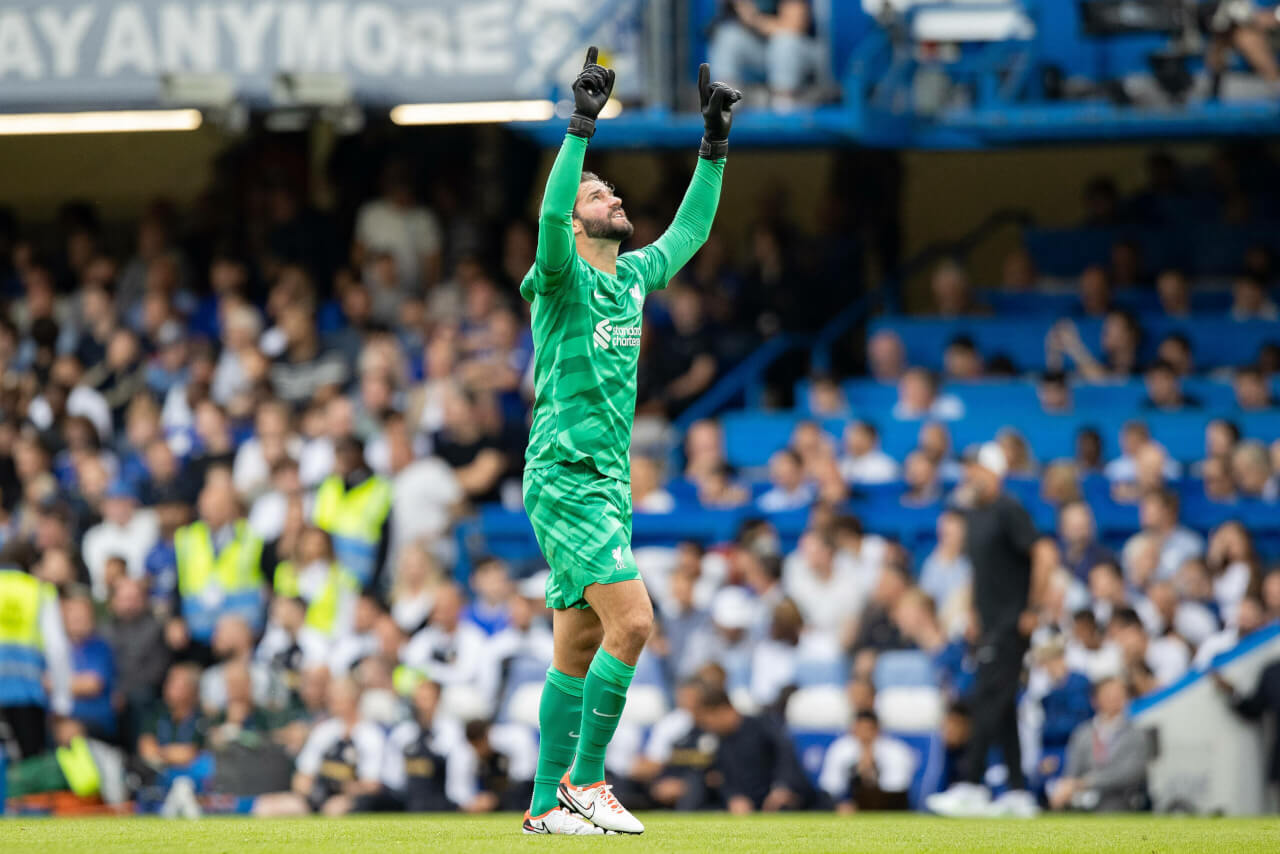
<point x="242" y="473"/>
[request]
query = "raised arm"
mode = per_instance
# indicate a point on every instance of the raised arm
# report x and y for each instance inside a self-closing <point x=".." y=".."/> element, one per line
<point x="555" y="221"/>
<point x="692" y="224"/>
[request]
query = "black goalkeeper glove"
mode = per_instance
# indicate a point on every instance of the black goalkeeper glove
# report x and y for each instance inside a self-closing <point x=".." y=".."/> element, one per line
<point x="590" y="93"/>
<point x="717" y="114"/>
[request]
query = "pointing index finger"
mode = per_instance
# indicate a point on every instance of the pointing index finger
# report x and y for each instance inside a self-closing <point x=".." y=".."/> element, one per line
<point x="704" y="82"/>
<point x="592" y="54"/>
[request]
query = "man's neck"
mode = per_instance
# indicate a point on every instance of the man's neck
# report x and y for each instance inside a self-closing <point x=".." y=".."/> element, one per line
<point x="601" y="254"/>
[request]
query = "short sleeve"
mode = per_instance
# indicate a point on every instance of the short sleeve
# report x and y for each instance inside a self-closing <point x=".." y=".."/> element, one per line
<point x="308" y="761"/>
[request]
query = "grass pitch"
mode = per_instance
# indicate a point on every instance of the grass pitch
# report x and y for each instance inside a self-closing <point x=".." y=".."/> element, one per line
<point x="790" y="834"/>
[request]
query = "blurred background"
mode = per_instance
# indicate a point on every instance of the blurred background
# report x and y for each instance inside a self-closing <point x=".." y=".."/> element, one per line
<point x="266" y="383"/>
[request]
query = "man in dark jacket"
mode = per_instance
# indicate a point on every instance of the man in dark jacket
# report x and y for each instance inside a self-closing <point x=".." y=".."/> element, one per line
<point x="1265" y="697"/>
<point x="754" y="765"/>
<point x="137" y="641"/>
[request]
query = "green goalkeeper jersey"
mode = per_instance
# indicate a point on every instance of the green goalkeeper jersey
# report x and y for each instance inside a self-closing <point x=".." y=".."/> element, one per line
<point x="587" y="323"/>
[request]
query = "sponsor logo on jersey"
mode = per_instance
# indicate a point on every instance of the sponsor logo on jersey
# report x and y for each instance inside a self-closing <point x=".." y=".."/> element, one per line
<point x="607" y="335"/>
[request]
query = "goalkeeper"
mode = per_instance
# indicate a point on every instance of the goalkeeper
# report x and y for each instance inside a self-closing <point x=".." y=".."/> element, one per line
<point x="587" y="311"/>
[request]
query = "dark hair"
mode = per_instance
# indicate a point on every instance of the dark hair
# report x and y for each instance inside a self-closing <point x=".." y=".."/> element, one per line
<point x="712" y="697"/>
<point x="1054" y="378"/>
<point x="1126" y="618"/>
<point x="847" y="523"/>
<point x="1086" y="615"/>
<point x="1232" y="427"/>
<point x="1161" y="366"/>
<point x="869" y="426"/>
<point x="964" y="342"/>
<point x="868" y="715"/>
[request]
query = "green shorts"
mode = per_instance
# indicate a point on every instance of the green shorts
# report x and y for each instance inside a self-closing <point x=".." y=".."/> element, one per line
<point x="582" y="520"/>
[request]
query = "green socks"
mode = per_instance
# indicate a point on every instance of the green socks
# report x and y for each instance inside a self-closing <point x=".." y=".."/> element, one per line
<point x="603" y="696"/>
<point x="559" y="714"/>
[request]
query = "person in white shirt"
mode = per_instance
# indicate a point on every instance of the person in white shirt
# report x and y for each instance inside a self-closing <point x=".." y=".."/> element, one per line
<point x="125" y="531"/>
<point x="271" y="511"/>
<point x="82" y="400"/>
<point x="425" y="493"/>
<point x="866" y="770"/>
<point x="362" y="639"/>
<point x="776" y="658"/>
<point x="453" y="651"/>
<point x="257" y="457"/>
<point x="394" y="224"/>
<point x="863" y="461"/>
<point x="1233" y="562"/>
<point x="1090" y="653"/>
<point x="341" y="760"/>
<point x="791" y="490"/>
<point x="418" y="575"/>
<point x="233" y="643"/>
<point x="830" y="596"/>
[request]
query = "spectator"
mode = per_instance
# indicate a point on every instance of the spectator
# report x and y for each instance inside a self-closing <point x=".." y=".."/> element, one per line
<point x="1066" y="702"/>
<point x="647" y="493"/>
<point x="865" y="770"/>
<point x="1095" y="291"/>
<point x="498" y="760"/>
<point x="790" y="489"/>
<point x="1233" y="563"/>
<point x="685" y="366"/>
<point x="417" y="578"/>
<point x="826" y="398"/>
<point x="682" y="618"/>
<point x="1106" y="758"/>
<point x="1054" y="393"/>
<point x="775" y="660"/>
<point x="452" y="650"/>
<point x="961" y="360"/>
<point x="1059" y="485"/>
<point x="1174" y="290"/>
<point x="219" y="569"/>
<point x="727" y="640"/>
<point x="173" y="738"/>
<point x="476" y="458"/>
<point x="1088" y="451"/>
<point x="827" y="594"/>
<point x="1078" y="540"/>
<point x="946" y="572"/>
<point x="272" y="443"/>
<point x="876" y="629"/>
<point x="1164" y="391"/>
<point x="1121" y="337"/>
<point x="1018" y="271"/>
<point x="886" y="356"/>
<point x="241" y="720"/>
<point x="1252" y="391"/>
<point x="340" y="763"/>
<point x="233" y="646"/>
<point x="767" y="39"/>
<point x="952" y="293"/>
<point x="425" y="495"/>
<point x="417" y="775"/>
<point x="864" y="462"/>
<point x="1175" y="348"/>
<point x="491" y="582"/>
<point x="1249" y="300"/>
<point x="93" y="669"/>
<point x="1088" y="649"/>
<point x="1251" y="468"/>
<point x="1175" y="543"/>
<point x="304" y="368"/>
<point x="125" y="531"/>
<point x="920" y="474"/>
<point x="396" y="226"/>
<point x="1220" y="439"/>
<point x="1215" y="478"/>
<point x="754" y="766"/>
<point x="353" y="506"/>
<point x="1245" y="28"/>
<point x="137" y="647"/>
<point x="1250" y="616"/>
<point x="918" y="397"/>
<point x="1167" y="657"/>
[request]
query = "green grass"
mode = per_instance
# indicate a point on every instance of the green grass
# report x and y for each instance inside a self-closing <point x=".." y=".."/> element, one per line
<point x="792" y="834"/>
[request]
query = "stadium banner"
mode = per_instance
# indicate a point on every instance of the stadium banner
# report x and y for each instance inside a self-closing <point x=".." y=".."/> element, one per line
<point x="1207" y="759"/>
<point x="62" y="54"/>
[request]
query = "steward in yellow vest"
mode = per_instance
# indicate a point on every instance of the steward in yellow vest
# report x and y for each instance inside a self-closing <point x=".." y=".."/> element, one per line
<point x="33" y="643"/>
<point x="353" y="506"/>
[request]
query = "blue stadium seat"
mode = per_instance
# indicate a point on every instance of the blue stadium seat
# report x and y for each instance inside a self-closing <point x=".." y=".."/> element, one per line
<point x="903" y="668"/>
<point x="821" y="671"/>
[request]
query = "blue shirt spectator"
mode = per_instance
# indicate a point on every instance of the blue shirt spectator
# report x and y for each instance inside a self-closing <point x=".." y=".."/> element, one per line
<point x="93" y="669"/>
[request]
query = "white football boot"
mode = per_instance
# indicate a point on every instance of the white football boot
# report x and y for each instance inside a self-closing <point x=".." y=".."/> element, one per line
<point x="559" y="821"/>
<point x="597" y="805"/>
<point x="1017" y="803"/>
<point x="962" y="800"/>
